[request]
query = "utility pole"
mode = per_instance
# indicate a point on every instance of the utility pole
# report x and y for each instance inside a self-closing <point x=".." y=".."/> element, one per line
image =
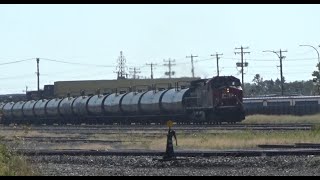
<point x="38" y="74"/>
<point x="281" y="67"/>
<point x="242" y="65"/>
<point x="151" y="65"/>
<point x="217" y="56"/>
<point x="192" y="65"/>
<point x="135" y="71"/>
<point x="170" y="72"/>
<point x="281" y="72"/>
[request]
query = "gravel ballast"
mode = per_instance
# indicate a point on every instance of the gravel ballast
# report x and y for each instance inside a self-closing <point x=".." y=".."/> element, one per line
<point x="148" y="166"/>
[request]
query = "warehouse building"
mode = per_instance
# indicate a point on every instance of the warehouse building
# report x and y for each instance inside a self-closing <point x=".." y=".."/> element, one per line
<point x="91" y="87"/>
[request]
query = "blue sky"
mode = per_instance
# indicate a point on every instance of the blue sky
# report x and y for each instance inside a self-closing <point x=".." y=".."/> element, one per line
<point x="95" y="34"/>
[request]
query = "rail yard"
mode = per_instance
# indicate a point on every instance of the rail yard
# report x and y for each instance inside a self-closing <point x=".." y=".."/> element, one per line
<point x="253" y="149"/>
<point x="192" y="90"/>
<point x="97" y="134"/>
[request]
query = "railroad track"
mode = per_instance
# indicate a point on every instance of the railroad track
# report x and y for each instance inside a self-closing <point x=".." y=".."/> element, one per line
<point x="290" y="146"/>
<point x="68" y="140"/>
<point x="183" y="128"/>
<point x="232" y="153"/>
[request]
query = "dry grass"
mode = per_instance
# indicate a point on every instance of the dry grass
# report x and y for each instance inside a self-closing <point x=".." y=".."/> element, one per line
<point x="13" y="165"/>
<point x="278" y="119"/>
<point x="92" y="146"/>
<point x="32" y="133"/>
<point x="247" y="139"/>
<point x="234" y="140"/>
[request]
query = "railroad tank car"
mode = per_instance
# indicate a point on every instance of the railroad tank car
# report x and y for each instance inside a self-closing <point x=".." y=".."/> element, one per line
<point x="28" y="110"/>
<point x="1" y="106"/>
<point x="80" y="106"/>
<point x="52" y="108"/>
<point x="214" y="100"/>
<point x="7" y="110"/>
<point x="172" y="100"/>
<point x="40" y="108"/>
<point x="95" y="105"/>
<point x="65" y="108"/>
<point x="1" y="113"/>
<point x="150" y="102"/>
<point x="17" y="110"/>
<point x="130" y="104"/>
<point x="111" y="105"/>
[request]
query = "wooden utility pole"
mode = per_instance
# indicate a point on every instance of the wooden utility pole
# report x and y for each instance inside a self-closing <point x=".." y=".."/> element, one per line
<point x="242" y="65"/>
<point x="38" y="74"/>
<point x="151" y="65"/>
<point x="217" y="56"/>
<point x="170" y="64"/>
<point x="192" y="65"/>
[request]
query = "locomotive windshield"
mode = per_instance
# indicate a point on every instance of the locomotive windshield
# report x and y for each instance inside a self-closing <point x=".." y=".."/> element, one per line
<point x="225" y="81"/>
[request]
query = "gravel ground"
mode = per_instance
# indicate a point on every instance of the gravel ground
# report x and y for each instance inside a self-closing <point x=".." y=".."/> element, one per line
<point x="147" y="166"/>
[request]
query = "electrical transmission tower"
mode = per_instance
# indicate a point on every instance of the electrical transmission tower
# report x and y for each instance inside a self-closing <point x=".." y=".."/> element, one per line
<point x="217" y="56"/>
<point x="151" y="65"/>
<point x="192" y="65"/>
<point x="134" y="71"/>
<point x="242" y="64"/>
<point x="121" y="68"/>
<point x="169" y="64"/>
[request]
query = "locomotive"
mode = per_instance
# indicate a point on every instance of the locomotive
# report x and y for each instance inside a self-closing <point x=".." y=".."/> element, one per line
<point x="212" y="101"/>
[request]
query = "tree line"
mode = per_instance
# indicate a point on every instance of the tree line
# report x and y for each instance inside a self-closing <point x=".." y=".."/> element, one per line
<point x="261" y="87"/>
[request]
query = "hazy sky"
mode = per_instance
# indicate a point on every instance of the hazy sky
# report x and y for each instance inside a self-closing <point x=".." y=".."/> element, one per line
<point x="95" y="34"/>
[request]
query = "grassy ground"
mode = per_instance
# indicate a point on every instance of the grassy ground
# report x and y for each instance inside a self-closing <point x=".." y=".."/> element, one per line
<point x="221" y="139"/>
<point x="213" y="139"/>
<point x="278" y="119"/>
<point x="11" y="165"/>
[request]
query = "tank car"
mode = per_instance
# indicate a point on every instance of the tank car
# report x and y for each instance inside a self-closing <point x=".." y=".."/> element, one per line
<point x="213" y="100"/>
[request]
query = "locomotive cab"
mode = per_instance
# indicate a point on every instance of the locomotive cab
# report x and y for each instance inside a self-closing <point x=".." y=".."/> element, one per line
<point x="227" y="91"/>
<point x="217" y="100"/>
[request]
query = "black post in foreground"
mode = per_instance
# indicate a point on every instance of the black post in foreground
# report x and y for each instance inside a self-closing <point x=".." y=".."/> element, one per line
<point x="169" y="150"/>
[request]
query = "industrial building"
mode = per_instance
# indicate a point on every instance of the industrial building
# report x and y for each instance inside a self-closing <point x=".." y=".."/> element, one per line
<point x="91" y="87"/>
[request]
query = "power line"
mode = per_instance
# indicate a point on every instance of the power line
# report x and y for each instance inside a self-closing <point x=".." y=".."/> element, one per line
<point x="16" y="77"/>
<point x="201" y="60"/>
<point x="14" y="62"/>
<point x="134" y="71"/>
<point x="295" y="59"/>
<point x="72" y="63"/>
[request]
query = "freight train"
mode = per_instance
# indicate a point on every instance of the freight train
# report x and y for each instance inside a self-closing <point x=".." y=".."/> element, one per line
<point x="290" y="105"/>
<point x="215" y="100"/>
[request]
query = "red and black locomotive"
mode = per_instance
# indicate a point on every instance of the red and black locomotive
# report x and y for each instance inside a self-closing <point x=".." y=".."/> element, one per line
<point x="216" y="100"/>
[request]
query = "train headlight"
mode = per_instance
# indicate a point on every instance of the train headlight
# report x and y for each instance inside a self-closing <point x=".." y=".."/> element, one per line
<point x="228" y="90"/>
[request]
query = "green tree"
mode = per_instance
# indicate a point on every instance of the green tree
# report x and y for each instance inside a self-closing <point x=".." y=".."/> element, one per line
<point x="259" y="84"/>
<point x="260" y="87"/>
<point x="316" y="79"/>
